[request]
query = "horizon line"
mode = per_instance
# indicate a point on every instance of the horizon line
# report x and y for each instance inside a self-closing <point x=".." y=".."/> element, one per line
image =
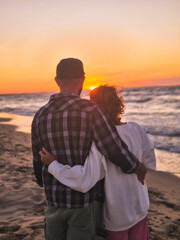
<point x="88" y="89"/>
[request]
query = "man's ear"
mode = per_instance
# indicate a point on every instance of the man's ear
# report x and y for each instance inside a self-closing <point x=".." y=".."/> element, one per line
<point x="82" y="79"/>
<point x="57" y="81"/>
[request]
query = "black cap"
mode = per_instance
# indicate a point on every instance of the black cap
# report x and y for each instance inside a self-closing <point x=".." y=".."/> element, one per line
<point x="70" y="68"/>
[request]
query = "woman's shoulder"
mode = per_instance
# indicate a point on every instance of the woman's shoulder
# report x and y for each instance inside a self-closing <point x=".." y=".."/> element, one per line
<point x="133" y="126"/>
<point x="138" y="127"/>
<point x="130" y="124"/>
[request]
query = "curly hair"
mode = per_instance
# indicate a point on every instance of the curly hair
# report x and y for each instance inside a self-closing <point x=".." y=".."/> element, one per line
<point x="107" y="98"/>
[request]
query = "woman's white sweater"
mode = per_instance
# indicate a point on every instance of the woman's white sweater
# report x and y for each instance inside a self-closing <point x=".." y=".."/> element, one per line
<point x="126" y="199"/>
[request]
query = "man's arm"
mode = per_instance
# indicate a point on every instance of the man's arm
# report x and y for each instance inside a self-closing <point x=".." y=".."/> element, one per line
<point x="37" y="164"/>
<point x="112" y="146"/>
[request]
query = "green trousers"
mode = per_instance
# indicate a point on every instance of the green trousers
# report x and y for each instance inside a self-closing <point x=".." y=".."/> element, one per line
<point x="74" y="224"/>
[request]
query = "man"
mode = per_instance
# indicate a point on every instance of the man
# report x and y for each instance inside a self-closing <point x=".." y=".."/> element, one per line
<point x="66" y="127"/>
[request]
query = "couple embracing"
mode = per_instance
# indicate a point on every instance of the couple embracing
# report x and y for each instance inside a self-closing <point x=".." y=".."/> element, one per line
<point x="91" y="164"/>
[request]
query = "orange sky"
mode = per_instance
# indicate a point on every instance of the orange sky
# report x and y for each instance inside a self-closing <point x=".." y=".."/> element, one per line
<point x="125" y="43"/>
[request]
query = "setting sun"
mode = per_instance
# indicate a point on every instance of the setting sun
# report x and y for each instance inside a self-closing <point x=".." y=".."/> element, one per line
<point x="92" y="88"/>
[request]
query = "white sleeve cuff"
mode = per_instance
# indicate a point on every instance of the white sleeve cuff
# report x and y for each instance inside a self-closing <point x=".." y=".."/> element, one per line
<point x="54" y="167"/>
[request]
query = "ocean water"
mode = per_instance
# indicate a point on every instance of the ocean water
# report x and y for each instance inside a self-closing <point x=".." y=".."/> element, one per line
<point x="157" y="109"/>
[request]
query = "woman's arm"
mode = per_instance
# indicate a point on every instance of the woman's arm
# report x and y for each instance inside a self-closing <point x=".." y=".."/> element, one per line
<point x="80" y="178"/>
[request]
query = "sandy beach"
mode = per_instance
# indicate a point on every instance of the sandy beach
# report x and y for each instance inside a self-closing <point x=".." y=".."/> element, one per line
<point x="22" y="202"/>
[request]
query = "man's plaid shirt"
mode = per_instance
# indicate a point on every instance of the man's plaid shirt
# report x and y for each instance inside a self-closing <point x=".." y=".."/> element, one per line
<point x="66" y="127"/>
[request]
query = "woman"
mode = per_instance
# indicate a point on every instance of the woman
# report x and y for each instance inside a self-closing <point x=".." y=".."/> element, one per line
<point x="126" y="199"/>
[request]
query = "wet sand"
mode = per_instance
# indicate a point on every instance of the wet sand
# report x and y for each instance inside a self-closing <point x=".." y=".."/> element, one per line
<point x="22" y="202"/>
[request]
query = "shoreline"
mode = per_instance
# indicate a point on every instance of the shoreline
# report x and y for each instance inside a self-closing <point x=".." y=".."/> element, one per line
<point x="23" y="124"/>
<point x="22" y="202"/>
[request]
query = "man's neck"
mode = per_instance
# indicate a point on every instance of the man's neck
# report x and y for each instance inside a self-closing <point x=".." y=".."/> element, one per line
<point x="70" y="90"/>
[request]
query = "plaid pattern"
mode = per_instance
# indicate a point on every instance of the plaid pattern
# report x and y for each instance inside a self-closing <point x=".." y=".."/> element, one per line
<point x="66" y="126"/>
